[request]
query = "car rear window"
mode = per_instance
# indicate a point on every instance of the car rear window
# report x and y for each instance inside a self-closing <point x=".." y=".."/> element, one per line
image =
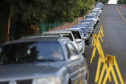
<point x="67" y="35"/>
<point x="76" y="34"/>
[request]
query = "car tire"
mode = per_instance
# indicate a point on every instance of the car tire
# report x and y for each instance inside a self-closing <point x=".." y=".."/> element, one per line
<point x="69" y="82"/>
<point x="88" y="41"/>
<point x="84" y="55"/>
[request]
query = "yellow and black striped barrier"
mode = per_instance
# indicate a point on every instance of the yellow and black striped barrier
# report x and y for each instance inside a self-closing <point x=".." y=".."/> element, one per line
<point x="96" y="43"/>
<point x="102" y="59"/>
<point x="111" y="61"/>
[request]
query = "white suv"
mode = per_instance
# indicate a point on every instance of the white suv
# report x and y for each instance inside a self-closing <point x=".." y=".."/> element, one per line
<point x="79" y="36"/>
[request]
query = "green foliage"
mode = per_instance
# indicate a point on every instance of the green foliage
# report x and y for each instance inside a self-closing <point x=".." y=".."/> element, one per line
<point x="48" y="10"/>
<point x="103" y="1"/>
<point x="121" y="1"/>
<point x="28" y="10"/>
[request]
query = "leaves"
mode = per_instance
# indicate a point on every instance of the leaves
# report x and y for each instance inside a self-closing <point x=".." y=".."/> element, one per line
<point x="48" y="10"/>
<point x="121" y="1"/>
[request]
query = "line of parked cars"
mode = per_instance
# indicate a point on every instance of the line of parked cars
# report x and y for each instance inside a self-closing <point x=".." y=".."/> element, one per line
<point x="54" y="57"/>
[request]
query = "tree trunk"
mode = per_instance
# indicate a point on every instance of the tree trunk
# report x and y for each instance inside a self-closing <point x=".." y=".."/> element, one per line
<point x="4" y="26"/>
<point x="9" y="22"/>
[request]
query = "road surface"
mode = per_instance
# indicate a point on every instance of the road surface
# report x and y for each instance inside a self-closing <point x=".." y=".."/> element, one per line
<point x="113" y="20"/>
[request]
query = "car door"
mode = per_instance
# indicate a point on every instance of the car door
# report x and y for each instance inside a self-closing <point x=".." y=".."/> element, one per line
<point x="75" y="65"/>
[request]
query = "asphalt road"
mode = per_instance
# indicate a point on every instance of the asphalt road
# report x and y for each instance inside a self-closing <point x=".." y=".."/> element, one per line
<point x="114" y="25"/>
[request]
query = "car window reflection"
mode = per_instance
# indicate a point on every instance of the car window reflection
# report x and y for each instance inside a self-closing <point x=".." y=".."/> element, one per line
<point x="29" y="52"/>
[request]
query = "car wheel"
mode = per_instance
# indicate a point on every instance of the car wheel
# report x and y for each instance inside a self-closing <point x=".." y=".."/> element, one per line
<point x="88" y="41"/>
<point x="84" y="55"/>
<point x="69" y="82"/>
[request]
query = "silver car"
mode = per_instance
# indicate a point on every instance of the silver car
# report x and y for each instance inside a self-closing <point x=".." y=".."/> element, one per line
<point x="79" y="36"/>
<point x="86" y="27"/>
<point x="89" y="25"/>
<point x="42" y="61"/>
<point x="63" y="34"/>
<point x="93" y="16"/>
<point x="88" y="20"/>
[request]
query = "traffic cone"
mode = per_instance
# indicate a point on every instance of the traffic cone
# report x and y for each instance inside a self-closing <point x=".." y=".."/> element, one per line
<point x="125" y="81"/>
<point x="104" y="5"/>
<point x="123" y="6"/>
<point x="120" y="6"/>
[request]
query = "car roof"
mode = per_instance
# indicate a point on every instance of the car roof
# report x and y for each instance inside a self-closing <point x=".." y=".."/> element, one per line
<point x="73" y="29"/>
<point x="90" y="14"/>
<point x="79" y="25"/>
<point x="37" y="40"/>
<point x="84" y="23"/>
<point x="88" y="19"/>
<point x="96" y="9"/>
<point x="60" y="31"/>
<point x="38" y="36"/>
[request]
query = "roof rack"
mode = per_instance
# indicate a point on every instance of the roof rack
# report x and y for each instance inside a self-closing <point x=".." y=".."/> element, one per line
<point x="41" y="36"/>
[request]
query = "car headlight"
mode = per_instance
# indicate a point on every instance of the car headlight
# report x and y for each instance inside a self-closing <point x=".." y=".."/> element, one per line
<point x="46" y="80"/>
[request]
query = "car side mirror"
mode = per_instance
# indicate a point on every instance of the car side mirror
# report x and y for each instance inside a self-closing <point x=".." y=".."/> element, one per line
<point x="74" y="58"/>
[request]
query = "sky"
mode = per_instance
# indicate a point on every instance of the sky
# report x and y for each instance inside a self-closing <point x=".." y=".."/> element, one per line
<point x="112" y="2"/>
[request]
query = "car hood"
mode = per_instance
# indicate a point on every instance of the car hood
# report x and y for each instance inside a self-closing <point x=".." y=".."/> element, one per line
<point x="29" y="70"/>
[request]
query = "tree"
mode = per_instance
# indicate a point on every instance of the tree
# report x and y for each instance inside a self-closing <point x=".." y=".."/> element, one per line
<point x="121" y="1"/>
<point x="103" y="1"/>
<point x="31" y="12"/>
<point x="4" y="20"/>
<point x="26" y="11"/>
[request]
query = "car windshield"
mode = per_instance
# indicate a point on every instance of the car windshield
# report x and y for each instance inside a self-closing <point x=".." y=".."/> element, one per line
<point x="31" y="51"/>
<point x="89" y="16"/>
<point x="76" y="34"/>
